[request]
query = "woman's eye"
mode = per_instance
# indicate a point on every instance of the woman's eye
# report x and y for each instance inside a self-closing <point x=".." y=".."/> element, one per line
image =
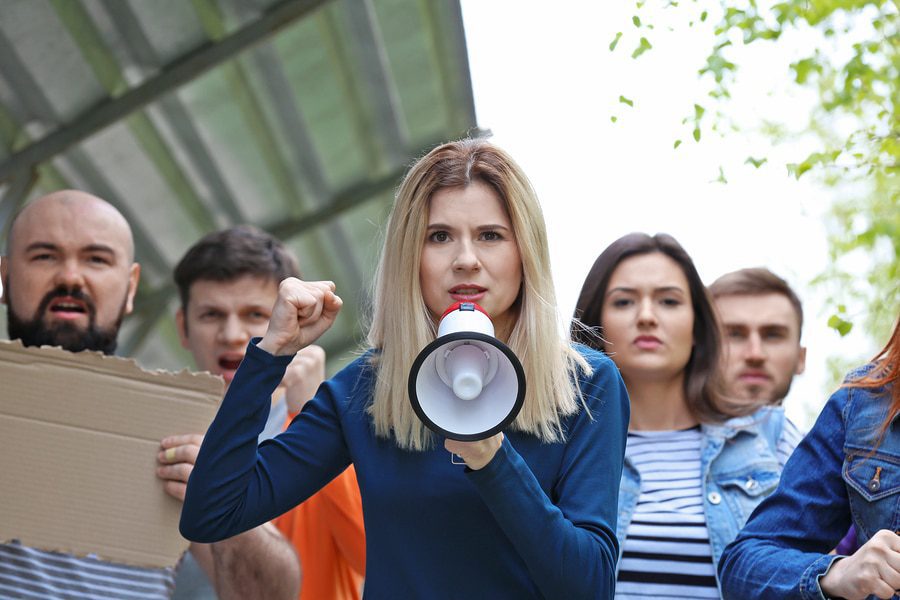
<point x="439" y="236"/>
<point x="621" y="302"/>
<point x="671" y="302"/>
<point x="491" y="236"/>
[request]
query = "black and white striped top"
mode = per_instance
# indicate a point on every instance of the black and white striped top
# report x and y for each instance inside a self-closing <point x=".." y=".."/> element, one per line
<point x="30" y="573"/>
<point x="666" y="552"/>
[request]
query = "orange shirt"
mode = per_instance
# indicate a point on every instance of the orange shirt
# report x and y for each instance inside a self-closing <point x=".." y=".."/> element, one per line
<point x="327" y="532"/>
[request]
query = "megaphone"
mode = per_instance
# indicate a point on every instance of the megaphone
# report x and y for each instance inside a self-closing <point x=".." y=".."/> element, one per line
<point x="466" y="385"/>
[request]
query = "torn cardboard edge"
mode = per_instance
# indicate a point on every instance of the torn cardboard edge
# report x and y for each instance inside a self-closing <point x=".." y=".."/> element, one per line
<point x="79" y="436"/>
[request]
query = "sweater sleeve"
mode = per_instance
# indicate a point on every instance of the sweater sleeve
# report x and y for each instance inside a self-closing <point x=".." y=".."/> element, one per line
<point x="236" y="485"/>
<point x="783" y="549"/>
<point x="568" y="541"/>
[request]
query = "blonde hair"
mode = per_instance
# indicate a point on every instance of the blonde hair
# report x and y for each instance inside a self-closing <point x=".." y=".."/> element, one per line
<point x="402" y="325"/>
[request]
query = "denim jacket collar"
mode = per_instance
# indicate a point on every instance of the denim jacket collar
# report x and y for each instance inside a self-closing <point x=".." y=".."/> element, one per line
<point x="734" y="426"/>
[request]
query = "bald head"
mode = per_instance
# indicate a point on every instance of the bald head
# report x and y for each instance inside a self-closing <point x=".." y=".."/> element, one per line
<point x="82" y="207"/>
<point x="70" y="275"/>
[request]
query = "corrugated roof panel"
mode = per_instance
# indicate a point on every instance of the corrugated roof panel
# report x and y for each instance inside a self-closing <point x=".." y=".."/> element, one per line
<point x="221" y="125"/>
<point x="410" y="47"/>
<point x="171" y="26"/>
<point x="306" y="133"/>
<point x="54" y="62"/>
<point x="123" y="163"/>
<point x="328" y="111"/>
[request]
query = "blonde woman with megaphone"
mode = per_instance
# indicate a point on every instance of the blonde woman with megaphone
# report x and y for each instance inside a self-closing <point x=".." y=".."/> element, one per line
<point x="532" y="512"/>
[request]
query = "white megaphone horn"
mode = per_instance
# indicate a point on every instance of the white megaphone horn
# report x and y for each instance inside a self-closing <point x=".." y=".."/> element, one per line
<point x="466" y="385"/>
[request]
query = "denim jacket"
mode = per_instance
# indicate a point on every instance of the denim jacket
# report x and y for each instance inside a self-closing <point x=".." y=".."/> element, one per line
<point x="837" y="475"/>
<point x="739" y="467"/>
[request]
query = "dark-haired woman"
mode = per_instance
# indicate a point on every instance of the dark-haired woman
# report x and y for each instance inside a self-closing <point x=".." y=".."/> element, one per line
<point x="693" y="470"/>
<point x="846" y="470"/>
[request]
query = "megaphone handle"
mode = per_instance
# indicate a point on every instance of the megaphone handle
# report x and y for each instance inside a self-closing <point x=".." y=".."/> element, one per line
<point x="453" y="458"/>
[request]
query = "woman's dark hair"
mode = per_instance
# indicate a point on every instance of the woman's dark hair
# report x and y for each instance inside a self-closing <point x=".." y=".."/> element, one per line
<point x="702" y="380"/>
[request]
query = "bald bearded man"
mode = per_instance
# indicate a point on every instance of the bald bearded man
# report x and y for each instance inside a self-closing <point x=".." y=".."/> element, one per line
<point x="69" y="279"/>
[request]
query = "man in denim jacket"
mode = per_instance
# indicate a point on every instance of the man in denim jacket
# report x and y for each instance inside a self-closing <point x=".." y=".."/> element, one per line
<point x="762" y="319"/>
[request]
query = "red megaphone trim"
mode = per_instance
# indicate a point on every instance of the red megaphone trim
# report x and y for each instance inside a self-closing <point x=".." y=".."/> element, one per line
<point x="458" y="306"/>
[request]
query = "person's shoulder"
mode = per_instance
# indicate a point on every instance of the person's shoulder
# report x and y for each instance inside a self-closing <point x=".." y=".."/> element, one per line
<point x="598" y="361"/>
<point x="355" y="379"/>
<point x="603" y="384"/>
<point x="362" y="364"/>
<point x="870" y="400"/>
<point x="768" y="421"/>
<point x="873" y="387"/>
<point x="859" y="372"/>
<point x="843" y="395"/>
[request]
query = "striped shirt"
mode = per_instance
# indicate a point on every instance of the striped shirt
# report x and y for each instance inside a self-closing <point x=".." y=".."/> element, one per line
<point x="666" y="553"/>
<point x="30" y="573"/>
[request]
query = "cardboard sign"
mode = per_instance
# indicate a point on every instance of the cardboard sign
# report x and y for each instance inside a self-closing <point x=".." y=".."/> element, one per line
<point x="79" y="435"/>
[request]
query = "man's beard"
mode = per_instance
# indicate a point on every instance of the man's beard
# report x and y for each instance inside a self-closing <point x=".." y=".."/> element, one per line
<point x="35" y="332"/>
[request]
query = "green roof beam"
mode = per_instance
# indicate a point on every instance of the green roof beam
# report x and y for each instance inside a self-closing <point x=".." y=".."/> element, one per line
<point x="173" y="76"/>
<point x="248" y="103"/>
<point x="172" y="109"/>
<point x="448" y="54"/>
<point x="94" y="50"/>
<point x="371" y="150"/>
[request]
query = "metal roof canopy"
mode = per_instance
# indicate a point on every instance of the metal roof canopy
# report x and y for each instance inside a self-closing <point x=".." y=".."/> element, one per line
<point x="299" y="116"/>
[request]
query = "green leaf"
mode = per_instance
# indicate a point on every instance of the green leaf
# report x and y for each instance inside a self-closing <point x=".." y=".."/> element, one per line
<point x="804" y="68"/>
<point x="840" y="325"/>
<point x="816" y="158"/>
<point x="703" y="16"/>
<point x="798" y="169"/>
<point x="643" y="47"/>
<point x="698" y="112"/>
<point x="677" y="143"/>
<point x="614" y="118"/>
<point x="624" y="100"/>
<point x="721" y="177"/>
<point x="696" y="134"/>
<point x="756" y="162"/>
<point x="615" y="42"/>
<point x="636" y="20"/>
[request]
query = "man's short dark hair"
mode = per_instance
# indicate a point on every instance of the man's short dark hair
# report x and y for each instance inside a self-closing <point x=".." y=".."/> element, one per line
<point x="756" y="282"/>
<point x="232" y="253"/>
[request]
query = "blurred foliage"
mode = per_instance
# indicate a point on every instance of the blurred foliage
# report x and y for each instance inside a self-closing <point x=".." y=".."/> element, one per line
<point x="853" y="65"/>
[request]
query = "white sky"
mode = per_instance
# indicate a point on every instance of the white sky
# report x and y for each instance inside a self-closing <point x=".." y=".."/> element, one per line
<point x="546" y="84"/>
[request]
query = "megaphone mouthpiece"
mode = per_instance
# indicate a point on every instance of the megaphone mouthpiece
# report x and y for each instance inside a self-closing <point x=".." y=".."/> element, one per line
<point x="464" y="368"/>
